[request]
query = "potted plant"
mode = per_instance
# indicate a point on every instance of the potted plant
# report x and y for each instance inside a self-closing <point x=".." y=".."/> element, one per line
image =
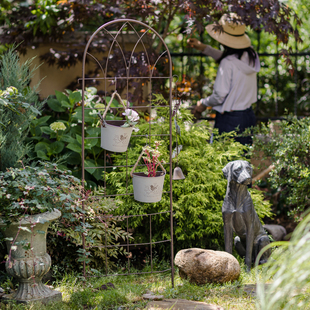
<point x="30" y="198"/>
<point x="149" y="187"/>
<point x="116" y="138"/>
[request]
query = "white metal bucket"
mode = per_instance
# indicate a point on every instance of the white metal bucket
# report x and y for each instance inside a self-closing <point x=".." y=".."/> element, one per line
<point x="115" y="138"/>
<point x="148" y="189"/>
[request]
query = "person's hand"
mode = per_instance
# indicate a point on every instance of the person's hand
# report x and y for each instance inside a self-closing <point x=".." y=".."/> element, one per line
<point x="192" y="42"/>
<point x="198" y="109"/>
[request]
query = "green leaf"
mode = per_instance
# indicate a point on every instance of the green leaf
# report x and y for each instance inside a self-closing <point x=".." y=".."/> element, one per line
<point x="88" y="116"/>
<point x="63" y="99"/>
<point x="75" y="146"/>
<point x="74" y="159"/>
<point x="42" y="120"/>
<point x="90" y="163"/>
<point x="93" y="132"/>
<point x="67" y="138"/>
<point x="55" y="105"/>
<point x="98" y="174"/>
<point x="42" y="155"/>
<point x="90" y="143"/>
<point x="41" y="146"/>
<point x="75" y="97"/>
<point x="79" y="139"/>
<point x="56" y="147"/>
<point x="114" y="103"/>
<point x="66" y="104"/>
<point x="46" y="130"/>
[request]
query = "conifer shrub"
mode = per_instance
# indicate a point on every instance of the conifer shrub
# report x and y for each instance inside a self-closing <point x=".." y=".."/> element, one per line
<point x="197" y="200"/>
<point x="19" y="105"/>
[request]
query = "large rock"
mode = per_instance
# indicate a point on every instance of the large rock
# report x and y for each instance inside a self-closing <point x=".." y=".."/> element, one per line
<point x="206" y="266"/>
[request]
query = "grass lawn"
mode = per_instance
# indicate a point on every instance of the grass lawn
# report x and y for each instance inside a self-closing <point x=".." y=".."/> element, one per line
<point x="128" y="292"/>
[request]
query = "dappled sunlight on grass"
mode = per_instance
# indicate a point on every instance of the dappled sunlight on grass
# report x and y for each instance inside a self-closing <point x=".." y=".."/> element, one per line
<point x="127" y="291"/>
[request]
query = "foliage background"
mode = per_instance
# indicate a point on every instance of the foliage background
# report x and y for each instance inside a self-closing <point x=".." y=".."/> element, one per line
<point x="197" y="200"/>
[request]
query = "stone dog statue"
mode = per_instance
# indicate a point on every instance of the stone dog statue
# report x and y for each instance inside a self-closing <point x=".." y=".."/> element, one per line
<point x="239" y="215"/>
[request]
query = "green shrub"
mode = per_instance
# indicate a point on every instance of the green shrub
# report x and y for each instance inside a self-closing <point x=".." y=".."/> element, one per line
<point x="100" y="228"/>
<point x="58" y="133"/>
<point x="197" y="200"/>
<point x="19" y="105"/>
<point x="288" y="147"/>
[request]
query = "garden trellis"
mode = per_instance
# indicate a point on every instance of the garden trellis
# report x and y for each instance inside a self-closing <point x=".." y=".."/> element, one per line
<point x="136" y="80"/>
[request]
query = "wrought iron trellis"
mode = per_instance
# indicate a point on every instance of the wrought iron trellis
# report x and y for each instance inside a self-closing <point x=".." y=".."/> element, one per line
<point x="114" y="32"/>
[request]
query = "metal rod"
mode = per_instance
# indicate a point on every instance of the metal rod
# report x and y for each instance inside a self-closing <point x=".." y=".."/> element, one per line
<point x="133" y="273"/>
<point x="151" y="250"/>
<point x="130" y="244"/>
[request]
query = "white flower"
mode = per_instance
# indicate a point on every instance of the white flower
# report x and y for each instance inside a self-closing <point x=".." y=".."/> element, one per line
<point x="8" y="196"/>
<point x="25" y="193"/>
<point x="57" y="126"/>
<point x="131" y="115"/>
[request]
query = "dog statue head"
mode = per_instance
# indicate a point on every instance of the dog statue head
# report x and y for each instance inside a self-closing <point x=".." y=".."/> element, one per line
<point x="239" y="171"/>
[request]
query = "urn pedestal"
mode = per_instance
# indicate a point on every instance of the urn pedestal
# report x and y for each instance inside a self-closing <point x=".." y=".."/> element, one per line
<point x="28" y="264"/>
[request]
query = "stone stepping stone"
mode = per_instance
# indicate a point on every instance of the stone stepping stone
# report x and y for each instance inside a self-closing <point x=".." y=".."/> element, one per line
<point x="180" y="304"/>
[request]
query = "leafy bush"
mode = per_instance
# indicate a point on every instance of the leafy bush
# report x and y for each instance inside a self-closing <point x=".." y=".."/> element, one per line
<point x="19" y="104"/>
<point x="288" y="147"/>
<point x="197" y="200"/>
<point x="58" y="134"/>
<point x="100" y="228"/>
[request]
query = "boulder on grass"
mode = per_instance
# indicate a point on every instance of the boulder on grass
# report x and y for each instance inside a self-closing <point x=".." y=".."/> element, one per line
<point x="206" y="266"/>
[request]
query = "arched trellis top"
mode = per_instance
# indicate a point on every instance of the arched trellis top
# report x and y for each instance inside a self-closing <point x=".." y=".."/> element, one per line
<point x="115" y="36"/>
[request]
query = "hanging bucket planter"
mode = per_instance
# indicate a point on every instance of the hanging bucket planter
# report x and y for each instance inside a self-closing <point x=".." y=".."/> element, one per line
<point x="148" y="188"/>
<point x="114" y="138"/>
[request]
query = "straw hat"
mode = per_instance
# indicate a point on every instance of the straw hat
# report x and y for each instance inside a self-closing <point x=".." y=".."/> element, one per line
<point x="233" y="34"/>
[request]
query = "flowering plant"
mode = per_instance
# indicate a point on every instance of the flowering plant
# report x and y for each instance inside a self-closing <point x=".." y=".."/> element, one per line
<point x="151" y="158"/>
<point x="132" y="118"/>
<point x="32" y="190"/>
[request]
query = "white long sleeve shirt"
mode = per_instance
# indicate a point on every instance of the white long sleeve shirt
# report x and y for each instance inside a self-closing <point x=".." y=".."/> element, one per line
<point x="235" y="87"/>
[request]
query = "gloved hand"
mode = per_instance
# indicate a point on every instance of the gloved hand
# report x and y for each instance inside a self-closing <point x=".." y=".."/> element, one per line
<point x="198" y="109"/>
<point x="196" y="44"/>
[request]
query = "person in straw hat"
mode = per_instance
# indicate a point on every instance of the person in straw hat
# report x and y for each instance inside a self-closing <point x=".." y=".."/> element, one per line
<point x="235" y="87"/>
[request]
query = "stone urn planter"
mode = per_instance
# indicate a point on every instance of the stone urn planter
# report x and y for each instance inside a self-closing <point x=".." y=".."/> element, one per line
<point x="28" y="260"/>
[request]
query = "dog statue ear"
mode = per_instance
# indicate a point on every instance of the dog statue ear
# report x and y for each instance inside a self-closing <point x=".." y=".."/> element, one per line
<point x="226" y="170"/>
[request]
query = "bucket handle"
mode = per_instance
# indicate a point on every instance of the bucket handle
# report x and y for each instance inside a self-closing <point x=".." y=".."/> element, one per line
<point x="136" y="164"/>
<point x="107" y="107"/>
